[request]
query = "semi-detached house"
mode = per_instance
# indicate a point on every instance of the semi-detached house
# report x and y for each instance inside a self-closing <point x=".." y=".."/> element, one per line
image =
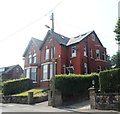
<point x="79" y="55"/>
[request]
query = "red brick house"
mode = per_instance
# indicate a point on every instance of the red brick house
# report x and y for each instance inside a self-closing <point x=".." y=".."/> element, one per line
<point x="79" y="55"/>
<point x="32" y="60"/>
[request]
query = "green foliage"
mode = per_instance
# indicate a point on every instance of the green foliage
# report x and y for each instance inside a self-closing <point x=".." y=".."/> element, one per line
<point x="115" y="60"/>
<point x="110" y="80"/>
<point x="71" y="85"/>
<point x="16" y="86"/>
<point x="117" y="31"/>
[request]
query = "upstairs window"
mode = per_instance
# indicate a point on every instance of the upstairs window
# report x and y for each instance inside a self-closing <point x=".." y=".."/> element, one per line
<point x="30" y="58"/>
<point x="103" y="56"/>
<point x="34" y="57"/>
<point x="98" y="53"/>
<point x="73" y="51"/>
<point x="85" y="51"/>
<point x="91" y="53"/>
<point x="47" y="54"/>
<point x="52" y="52"/>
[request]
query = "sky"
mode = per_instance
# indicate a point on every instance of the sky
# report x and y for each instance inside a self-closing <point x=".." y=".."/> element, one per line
<point x="20" y="20"/>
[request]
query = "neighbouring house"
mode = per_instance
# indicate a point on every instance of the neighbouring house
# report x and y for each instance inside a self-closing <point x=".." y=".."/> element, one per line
<point x="11" y="72"/>
<point x="32" y="60"/>
<point x="79" y="55"/>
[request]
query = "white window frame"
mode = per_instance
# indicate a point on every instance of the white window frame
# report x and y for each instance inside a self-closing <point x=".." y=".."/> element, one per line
<point x="34" y="76"/>
<point x="98" y="68"/>
<point x="47" y="54"/>
<point x="73" y="51"/>
<point x="45" y="72"/>
<point x="103" y="56"/>
<point x="93" y="37"/>
<point x="34" y="57"/>
<point x="91" y="52"/>
<point x="85" y="68"/>
<point x="30" y="58"/>
<point x="51" y="70"/>
<point x="98" y="54"/>
<point x="85" y="50"/>
<point x="27" y="73"/>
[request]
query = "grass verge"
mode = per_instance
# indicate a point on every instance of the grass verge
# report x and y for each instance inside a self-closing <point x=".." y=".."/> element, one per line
<point x="37" y="92"/>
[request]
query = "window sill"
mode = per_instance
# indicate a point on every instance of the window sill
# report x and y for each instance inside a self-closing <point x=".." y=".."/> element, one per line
<point x="45" y="80"/>
<point x="73" y="56"/>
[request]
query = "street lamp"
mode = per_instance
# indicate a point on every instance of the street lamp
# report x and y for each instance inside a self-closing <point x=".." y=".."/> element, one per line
<point x="53" y="63"/>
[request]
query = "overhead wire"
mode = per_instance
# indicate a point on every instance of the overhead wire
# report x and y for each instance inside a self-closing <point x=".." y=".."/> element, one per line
<point x="19" y="30"/>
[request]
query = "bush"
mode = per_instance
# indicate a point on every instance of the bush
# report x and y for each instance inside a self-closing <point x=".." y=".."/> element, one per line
<point x="75" y="85"/>
<point x="16" y="86"/>
<point x="110" y="80"/>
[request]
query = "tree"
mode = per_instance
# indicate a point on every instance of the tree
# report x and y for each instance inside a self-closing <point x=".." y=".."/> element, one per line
<point x="117" y="31"/>
<point x="115" y="60"/>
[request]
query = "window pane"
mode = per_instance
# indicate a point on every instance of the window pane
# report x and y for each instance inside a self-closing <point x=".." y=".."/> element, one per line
<point x="27" y="73"/>
<point x="85" y="52"/>
<point x="73" y="51"/>
<point x="33" y="74"/>
<point x="51" y="71"/>
<point x="45" y="72"/>
<point x="47" y="54"/>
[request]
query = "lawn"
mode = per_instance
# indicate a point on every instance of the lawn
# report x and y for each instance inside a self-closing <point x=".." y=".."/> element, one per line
<point x="36" y="92"/>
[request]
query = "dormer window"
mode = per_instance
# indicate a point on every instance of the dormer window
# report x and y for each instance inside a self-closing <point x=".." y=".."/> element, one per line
<point x="73" y="51"/>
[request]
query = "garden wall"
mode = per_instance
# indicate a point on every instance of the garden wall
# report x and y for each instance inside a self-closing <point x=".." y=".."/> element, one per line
<point x="22" y="99"/>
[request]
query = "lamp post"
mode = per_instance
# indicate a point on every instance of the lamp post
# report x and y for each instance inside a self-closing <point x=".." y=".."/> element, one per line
<point x="53" y="63"/>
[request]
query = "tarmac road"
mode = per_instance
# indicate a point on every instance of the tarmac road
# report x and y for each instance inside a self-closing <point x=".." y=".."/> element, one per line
<point x="82" y="108"/>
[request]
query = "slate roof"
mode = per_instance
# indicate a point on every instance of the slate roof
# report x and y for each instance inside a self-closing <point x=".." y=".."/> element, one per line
<point x="61" y="39"/>
<point x="78" y="38"/>
<point x="37" y="43"/>
<point x="8" y="69"/>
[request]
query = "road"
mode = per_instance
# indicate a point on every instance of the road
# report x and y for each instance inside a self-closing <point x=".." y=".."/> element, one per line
<point x="82" y="108"/>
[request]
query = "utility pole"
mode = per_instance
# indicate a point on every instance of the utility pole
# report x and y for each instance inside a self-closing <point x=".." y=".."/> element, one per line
<point x="53" y="62"/>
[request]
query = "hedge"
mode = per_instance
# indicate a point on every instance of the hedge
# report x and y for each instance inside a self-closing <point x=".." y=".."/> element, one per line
<point x="16" y="86"/>
<point x="110" y="80"/>
<point x="72" y="85"/>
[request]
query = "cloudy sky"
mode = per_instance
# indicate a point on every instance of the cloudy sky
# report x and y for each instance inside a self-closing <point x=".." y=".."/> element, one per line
<point x="22" y="19"/>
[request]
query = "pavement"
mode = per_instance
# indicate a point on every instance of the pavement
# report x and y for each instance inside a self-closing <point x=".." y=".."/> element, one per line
<point x="82" y="108"/>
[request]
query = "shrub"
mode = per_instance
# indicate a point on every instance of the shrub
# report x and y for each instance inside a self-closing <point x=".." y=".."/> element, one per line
<point x="110" y="80"/>
<point x="73" y="85"/>
<point x="16" y="86"/>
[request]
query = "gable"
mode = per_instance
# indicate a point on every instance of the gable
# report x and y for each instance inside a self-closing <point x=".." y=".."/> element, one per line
<point x="62" y="40"/>
<point x="33" y="42"/>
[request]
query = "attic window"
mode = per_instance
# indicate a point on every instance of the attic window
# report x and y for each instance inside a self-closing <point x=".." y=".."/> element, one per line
<point x="93" y="37"/>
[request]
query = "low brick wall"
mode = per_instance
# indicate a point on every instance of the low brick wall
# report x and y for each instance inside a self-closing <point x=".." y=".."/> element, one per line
<point x="104" y="101"/>
<point x="107" y="101"/>
<point x="21" y="99"/>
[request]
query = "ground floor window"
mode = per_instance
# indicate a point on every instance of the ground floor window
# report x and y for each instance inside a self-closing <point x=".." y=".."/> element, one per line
<point x="45" y="72"/>
<point x="85" y="68"/>
<point x="51" y="70"/>
<point x="98" y="68"/>
<point x="33" y="74"/>
<point x="27" y="73"/>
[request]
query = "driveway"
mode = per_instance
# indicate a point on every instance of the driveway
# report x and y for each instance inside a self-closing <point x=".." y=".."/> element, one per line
<point x="82" y="108"/>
